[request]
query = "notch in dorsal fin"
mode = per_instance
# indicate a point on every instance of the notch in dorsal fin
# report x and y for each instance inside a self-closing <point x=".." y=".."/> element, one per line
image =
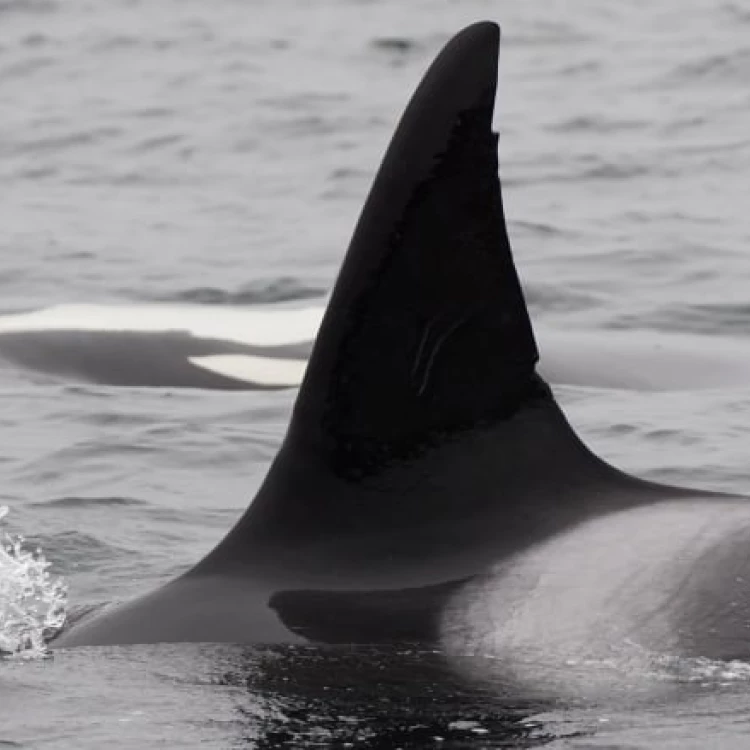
<point x="427" y="329"/>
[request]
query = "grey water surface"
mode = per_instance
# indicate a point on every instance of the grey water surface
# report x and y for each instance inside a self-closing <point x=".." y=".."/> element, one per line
<point x="219" y="152"/>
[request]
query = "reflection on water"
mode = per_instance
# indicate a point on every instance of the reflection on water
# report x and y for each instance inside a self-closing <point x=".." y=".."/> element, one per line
<point x="371" y="697"/>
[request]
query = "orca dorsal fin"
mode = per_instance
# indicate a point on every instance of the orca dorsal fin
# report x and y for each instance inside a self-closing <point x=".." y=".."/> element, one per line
<point x="421" y="406"/>
<point x="426" y="328"/>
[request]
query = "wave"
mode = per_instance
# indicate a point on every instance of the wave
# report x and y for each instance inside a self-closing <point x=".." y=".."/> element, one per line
<point x="282" y="289"/>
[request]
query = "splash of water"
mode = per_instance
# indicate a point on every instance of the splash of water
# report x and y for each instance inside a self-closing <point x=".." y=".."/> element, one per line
<point x="32" y="603"/>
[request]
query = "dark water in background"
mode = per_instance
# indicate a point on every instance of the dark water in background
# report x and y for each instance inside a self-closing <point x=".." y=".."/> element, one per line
<point x="220" y="152"/>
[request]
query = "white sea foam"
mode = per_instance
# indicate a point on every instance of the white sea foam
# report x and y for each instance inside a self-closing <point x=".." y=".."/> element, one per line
<point x="32" y="602"/>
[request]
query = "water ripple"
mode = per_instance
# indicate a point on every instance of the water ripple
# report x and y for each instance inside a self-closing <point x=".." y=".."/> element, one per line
<point x="258" y="292"/>
<point x="89" y="502"/>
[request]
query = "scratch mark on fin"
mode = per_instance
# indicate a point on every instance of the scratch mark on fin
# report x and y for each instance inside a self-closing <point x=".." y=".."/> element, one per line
<point x="421" y="348"/>
<point x="436" y="348"/>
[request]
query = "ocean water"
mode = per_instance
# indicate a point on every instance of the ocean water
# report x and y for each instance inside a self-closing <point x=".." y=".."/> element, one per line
<point x="219" y="153"/>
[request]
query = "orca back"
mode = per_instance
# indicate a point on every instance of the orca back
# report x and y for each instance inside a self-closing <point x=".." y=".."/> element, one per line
<point x="423" y="449"/>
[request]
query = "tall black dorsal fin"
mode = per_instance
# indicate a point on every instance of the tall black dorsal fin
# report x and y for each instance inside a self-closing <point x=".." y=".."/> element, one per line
<point x="421" y="408"/>
<point x="427" y="328"/>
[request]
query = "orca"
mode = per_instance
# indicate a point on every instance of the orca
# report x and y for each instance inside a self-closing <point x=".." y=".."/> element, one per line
<point x="180" y="346"/>
<point x="429" y="488"/>
<point x="267" y="346"/>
